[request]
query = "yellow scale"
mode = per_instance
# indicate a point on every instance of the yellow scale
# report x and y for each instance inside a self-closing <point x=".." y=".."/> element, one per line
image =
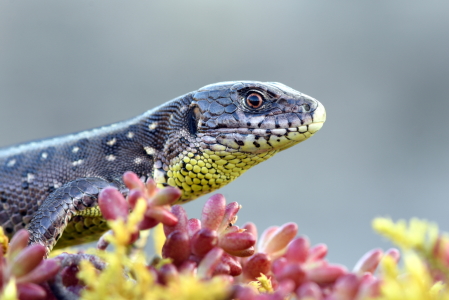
<point x="198" y="174"/>
<point x="86" y="226"/>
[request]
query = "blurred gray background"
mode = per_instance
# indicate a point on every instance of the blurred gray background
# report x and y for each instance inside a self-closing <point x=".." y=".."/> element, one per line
<point x="381" y="68"/>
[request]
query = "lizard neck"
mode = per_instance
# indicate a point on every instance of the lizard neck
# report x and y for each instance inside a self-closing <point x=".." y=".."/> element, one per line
<point x="200" y="173"/>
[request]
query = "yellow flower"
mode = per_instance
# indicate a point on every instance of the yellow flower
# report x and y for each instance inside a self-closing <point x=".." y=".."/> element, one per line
<point x="10" y="291"/>
<point x="420" y="234"/>
<point x="414" y="283"/>
<point x="112" y="284"/>
<point x="265" y="284"/>
<point x="124" y="230"/>
<point x="191" y="288"/>
<point x="159" y="239"/>
<point x="423" y="266"/>
<point x="128" y="277"/>
<point x="3" y="240"/>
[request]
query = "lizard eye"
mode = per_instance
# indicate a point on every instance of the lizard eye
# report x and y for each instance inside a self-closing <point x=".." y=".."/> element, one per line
<point x="254" y="100"/>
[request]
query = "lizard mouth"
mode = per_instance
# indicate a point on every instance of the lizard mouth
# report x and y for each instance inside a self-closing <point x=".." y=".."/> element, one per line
<point x="252" y="140"/>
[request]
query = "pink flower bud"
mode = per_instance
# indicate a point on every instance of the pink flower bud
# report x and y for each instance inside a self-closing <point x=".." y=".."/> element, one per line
<point x="135" y="195"/>
<point x="166" y="196"/>
<point x="179" y="212"/>
<point x="209" y="263"/>
<point x="310" y="291"/>
<point x="151" y="187"/>
<point x="257" y="264"/>
<point x="195" y="259"/>
<point x="235" y="269"/>
<point x="147" y="223"/>
<point x="103" y="243"/>
<point x="132" y="181"/>
<point x="168" y="273"/>
<point x="28" y="259"/>
<point x="292" y="271"/>
<point x="345" y="287"/>
<point x="326" y="273"/>
<point x="245" y="293"/>
<point x="278" y="265"/>
<point x="368" y="262"/>
<point x="221" y="269"/>
<point x="46" y="270"/>
<point x="280" y="238"/>
<point x="242" y="253"/>
<point x="177" y="247"/>
<point x="284" y="289"/>
<point x="30" y="291"/>
<point x="188" y="267"/>
<point x="213" y="212"/>
<point x="369" y="287"/>
<point x="18" y="242"/>
<point x="112" y="204"/>
<point x="236" y="241"/>
<point x="193" y="226"/>
<point x="161" y="215"/>
<point x="203" y="241"/>
<point x="298" y="250"/>
<point x="230" y="213"/>
<point x="394" y="253"/>
<point x="317" y="252"/>
<point x="251" y="227"/>
<point x="266" y="236"/>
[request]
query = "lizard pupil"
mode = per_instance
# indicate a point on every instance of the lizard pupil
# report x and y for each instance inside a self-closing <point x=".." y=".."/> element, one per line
<point x="254" y="100"/>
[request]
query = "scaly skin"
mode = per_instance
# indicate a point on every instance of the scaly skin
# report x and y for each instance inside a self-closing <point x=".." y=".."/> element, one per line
<point x="198" y="142"/>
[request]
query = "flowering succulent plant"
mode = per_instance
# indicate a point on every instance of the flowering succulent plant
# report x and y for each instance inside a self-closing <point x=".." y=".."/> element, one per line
<point x="23" y="268"/>
<point x="212" y="258"/>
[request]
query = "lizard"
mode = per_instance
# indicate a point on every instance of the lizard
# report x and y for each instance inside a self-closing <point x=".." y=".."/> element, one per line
<point x="197" y="142"/>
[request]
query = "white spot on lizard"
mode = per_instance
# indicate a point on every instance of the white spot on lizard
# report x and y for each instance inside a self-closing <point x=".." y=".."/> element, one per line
<point x="152" y="126"/>
<point x="112" y="142"/>
<point x="77" y="162"/>
<point x="30" y="177"/>
<point x="149" y="150"/>
<point x="11" y="163"/>
<point x="75" y="149"/>
<point x="110" y="157"/>
<point x="130" y="135"/>
<point x="56" y="184"/>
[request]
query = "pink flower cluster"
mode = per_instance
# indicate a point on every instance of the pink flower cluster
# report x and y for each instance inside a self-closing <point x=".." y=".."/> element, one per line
<point x="303" y="271"/>
<point x="26" y="265"/>
<point x="214" y="246"/>
<point x="213" y="239"/>
<point x="207" y="247"/>
<point x="114" y="206"/>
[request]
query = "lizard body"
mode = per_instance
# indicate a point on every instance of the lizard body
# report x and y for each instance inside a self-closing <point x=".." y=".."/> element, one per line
<point x="198" y="142"/>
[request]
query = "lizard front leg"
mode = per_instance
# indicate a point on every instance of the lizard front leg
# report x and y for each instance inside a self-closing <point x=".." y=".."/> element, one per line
<point x="75" y="198"/>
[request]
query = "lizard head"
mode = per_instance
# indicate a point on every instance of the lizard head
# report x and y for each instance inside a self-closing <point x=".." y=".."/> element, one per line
<point x="253" y="117"/>
<point x="231" y="126"/>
